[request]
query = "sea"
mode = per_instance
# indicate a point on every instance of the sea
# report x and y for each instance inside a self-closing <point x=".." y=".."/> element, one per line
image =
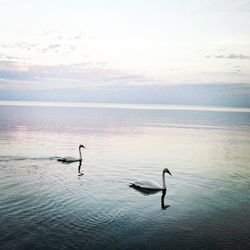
<point x="45" y="204"/>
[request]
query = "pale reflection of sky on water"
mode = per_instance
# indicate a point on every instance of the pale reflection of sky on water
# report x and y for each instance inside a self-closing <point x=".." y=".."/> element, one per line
<point x="44" y="204"/>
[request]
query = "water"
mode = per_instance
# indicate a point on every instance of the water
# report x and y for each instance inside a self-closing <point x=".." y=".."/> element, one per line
<point x="46" y="205"/>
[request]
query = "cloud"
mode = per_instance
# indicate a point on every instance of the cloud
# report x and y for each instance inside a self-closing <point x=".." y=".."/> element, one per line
<point x="231" y="56"/>
<point x="51" y="47"/>
<point x="77" y="37"/>
<point x="239" y="56"/>
<point x="37" y="47"/>
<point x="85" y="75"/>
<point x="5" y="57"/>
<point x="71" y="37"/>
<point x="20" y="45"/>
<point x="30" y="46"/>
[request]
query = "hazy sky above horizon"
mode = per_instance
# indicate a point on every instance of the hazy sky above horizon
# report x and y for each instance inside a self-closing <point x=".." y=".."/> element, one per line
<point x="92" y="43"/>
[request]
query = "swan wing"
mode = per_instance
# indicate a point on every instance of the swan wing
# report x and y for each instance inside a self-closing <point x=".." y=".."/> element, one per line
<point x="146" y="185"/>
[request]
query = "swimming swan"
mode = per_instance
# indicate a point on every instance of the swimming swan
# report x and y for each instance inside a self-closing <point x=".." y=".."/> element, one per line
<point x="72" y="159"/>
<point x="151" y="185"/>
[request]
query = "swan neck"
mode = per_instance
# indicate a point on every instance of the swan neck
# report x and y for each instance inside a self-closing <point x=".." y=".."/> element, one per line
<point x="163" y="180"/>
<point x="80" y="153"/>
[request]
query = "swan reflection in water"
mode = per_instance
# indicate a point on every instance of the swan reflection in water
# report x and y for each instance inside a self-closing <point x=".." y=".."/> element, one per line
<point x="147" y="192"/>
<point x="68" y="160"/>
<point x="79" y="168"/>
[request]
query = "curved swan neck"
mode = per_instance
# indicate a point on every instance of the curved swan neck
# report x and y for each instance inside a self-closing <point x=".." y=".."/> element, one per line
<point x="163" y="180"/>
<point x="80" y="153"/>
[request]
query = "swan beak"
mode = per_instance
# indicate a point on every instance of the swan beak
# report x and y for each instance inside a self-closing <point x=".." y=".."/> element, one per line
<point x="169" y="172"/>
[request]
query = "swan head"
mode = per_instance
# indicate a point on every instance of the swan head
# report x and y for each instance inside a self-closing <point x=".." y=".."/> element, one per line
<point x="165" y="170"/>
<point x="81" y="146"/>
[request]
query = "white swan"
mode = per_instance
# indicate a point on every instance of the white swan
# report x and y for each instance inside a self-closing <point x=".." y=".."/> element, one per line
<point x="151" y="185"/>
<point x="72" y="159"/>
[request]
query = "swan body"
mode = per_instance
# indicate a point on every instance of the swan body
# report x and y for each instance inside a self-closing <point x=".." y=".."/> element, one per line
<point x="72" y="159"/>
<point x="151" y="185"/>
<point x="68" y="159"/>
<point x="146" y="185"/>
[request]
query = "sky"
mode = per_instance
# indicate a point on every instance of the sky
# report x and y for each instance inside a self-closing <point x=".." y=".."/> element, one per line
<point x="159" y="51"/>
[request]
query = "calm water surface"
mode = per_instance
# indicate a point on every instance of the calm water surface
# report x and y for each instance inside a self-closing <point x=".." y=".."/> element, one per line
<point x="46" y="205"/>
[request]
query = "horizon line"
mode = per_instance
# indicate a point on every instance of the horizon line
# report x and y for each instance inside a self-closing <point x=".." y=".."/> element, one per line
<point x="141" y="106"/>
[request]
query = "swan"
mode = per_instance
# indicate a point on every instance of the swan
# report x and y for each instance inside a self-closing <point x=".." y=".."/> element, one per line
<point x="151" y="185"/>
<point x="72" y="159"/>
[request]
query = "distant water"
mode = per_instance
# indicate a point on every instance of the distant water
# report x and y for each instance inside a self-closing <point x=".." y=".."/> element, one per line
<point x="46" y="205"/>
